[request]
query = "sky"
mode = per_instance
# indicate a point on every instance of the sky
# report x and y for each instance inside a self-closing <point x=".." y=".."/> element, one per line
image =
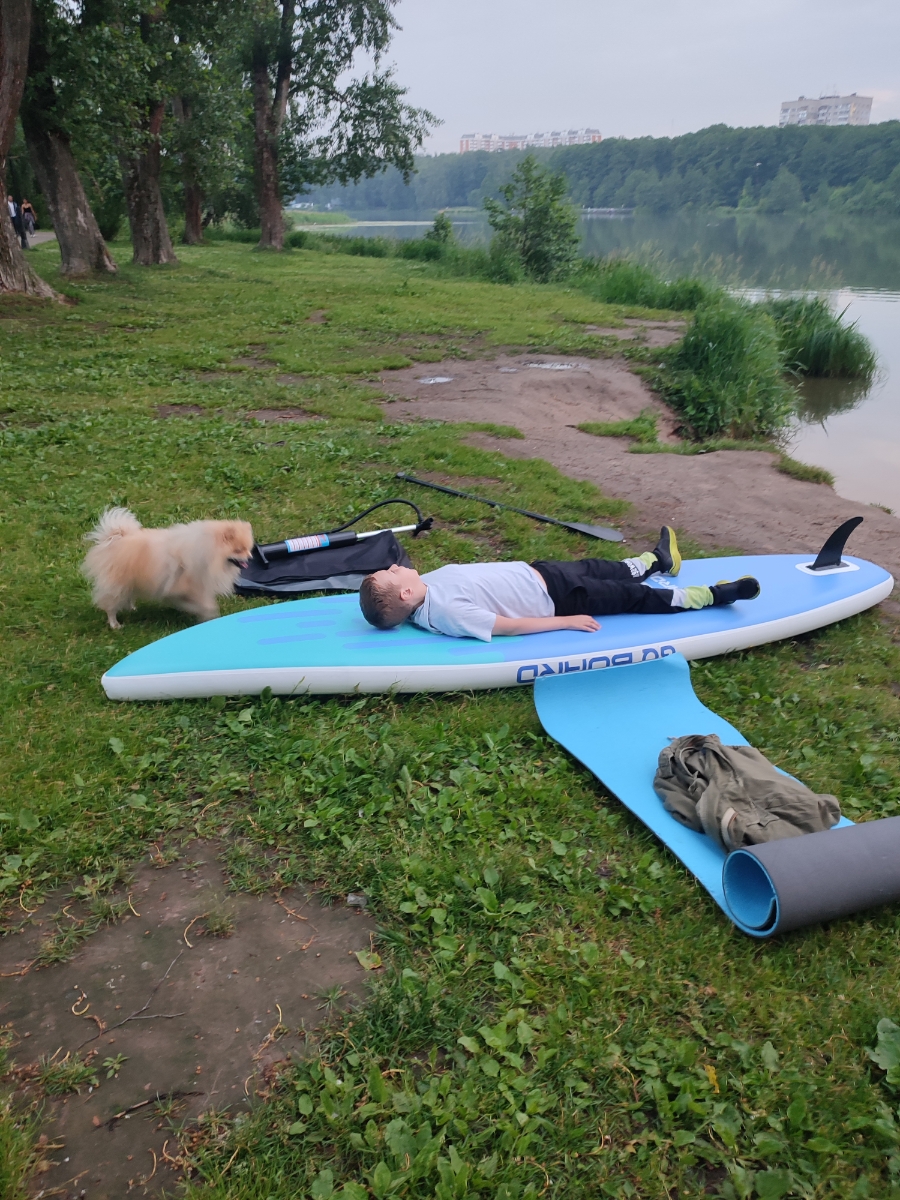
<point x="638" y="67"/>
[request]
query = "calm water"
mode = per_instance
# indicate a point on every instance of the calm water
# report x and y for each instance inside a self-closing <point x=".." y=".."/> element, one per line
<point x="854" y="261"/>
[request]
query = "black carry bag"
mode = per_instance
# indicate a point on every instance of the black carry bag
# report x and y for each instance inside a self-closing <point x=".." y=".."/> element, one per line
<point x="333" y="569"/>
<point x="336" y="561"/>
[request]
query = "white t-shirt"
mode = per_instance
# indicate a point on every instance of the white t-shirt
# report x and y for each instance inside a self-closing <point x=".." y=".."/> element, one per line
<point x="465" y="599"/>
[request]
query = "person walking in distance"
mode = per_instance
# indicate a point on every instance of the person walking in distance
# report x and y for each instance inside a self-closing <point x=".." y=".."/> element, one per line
<point x="15" y="216"/>
<point x="29" y="217"/>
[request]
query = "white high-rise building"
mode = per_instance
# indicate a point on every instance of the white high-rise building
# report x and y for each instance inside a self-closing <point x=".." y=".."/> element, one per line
<point x="827" y="110"/>
<point x="526" y="141"/>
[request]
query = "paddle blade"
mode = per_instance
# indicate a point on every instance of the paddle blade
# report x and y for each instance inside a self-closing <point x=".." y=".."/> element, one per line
<point x="595" y="531"/>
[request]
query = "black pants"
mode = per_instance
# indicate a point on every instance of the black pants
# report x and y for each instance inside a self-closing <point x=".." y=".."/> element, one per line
<point x="598" y="588"/>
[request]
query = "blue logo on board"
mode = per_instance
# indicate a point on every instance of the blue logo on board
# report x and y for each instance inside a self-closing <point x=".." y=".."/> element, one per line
<point x="528" y="674"/>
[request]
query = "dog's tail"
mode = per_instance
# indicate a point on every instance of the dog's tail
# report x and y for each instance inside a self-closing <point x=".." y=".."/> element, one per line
<point x="113" y="523"/>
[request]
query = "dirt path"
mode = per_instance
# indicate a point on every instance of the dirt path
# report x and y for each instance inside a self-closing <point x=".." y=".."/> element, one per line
<point x="197" y="1020"/>
<point x="734" y="499"/>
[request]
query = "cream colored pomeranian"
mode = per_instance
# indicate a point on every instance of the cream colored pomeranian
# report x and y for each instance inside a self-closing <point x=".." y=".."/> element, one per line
<point x="185" y="566"/>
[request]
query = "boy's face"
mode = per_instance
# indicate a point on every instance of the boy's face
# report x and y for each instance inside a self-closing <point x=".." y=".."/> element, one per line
<point x="403" y="582"/>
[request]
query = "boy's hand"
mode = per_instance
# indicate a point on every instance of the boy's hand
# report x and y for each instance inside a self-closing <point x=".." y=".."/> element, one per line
<point x="584" y="624"/>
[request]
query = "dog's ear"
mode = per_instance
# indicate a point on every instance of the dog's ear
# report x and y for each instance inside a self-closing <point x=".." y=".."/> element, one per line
<point x="237" y="535"/>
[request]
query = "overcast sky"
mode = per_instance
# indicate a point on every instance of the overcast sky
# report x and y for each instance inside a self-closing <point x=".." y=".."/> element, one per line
<point x="638" y="67"/>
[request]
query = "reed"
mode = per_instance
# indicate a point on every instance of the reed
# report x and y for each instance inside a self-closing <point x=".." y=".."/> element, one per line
<point x="815" y="341"/>
<point x="624" y="281"/>
<point x="726" y="376"/>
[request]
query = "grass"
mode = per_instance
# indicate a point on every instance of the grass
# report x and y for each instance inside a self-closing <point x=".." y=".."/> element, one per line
<point x="643" y="430"/>
<point x="562" y="1012"/>
<point x="815" y="342"/>
<point x="310" y="217"/>
<point x="57" y="1077"/>
<point x="625" y="281"/>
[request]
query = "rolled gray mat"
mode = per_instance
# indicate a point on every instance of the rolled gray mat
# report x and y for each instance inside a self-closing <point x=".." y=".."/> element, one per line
<point x="778" y="886"/>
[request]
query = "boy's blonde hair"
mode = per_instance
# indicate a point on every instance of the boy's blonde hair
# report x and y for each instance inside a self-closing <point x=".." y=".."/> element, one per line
<point x="381" y="607"/>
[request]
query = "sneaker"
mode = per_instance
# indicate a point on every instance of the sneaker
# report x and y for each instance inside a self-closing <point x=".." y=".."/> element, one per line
<point x="668" y="556"/>
<point x="745" y="588"/>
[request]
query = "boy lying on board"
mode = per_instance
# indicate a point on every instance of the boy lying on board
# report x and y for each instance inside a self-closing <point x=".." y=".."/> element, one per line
<point x="483" y="599"/>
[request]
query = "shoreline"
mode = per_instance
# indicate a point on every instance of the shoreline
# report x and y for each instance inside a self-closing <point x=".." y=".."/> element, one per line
<point x="731" y="500"/>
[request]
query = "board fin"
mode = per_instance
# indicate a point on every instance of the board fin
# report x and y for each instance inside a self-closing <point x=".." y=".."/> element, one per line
<point x="829" y="556"/>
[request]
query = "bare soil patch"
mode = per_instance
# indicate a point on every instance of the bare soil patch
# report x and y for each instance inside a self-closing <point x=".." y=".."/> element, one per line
<point x="256" y="364"/>
<point x="214" y="376"/>
<point x="647" y="333"/>
<point x="291" y="380"/>
<point x="319" y="317"/>
<point x="735" y="499"/>
<point x="163" y="411"/>
<point x="202" y="1020"/>
<point x="280" y="416"/>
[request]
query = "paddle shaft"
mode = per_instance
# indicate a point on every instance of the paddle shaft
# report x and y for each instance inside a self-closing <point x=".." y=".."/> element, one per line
<point x="606" y="535"/>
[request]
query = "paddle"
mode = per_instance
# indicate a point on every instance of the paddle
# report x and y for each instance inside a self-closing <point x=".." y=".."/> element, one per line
<point x="595" y="531"/>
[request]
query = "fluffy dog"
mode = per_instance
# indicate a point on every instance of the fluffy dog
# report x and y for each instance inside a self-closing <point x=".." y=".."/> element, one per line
<point x="185" y="566"/>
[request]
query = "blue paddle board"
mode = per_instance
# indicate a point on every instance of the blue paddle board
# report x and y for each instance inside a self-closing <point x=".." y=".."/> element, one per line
<point x="323" y="644"/>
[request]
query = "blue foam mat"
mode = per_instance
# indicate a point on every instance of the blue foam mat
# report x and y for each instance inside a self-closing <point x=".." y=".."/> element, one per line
<point x="616" y="722"/>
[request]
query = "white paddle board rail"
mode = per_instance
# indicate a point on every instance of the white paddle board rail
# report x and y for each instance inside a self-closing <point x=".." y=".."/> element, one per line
<point x="323" y="645"/>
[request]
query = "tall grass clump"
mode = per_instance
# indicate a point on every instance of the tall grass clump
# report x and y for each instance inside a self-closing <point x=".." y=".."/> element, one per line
<point x="727" y="376"/>
<point x="815" y="341"/>
<point x="624" y="281"/>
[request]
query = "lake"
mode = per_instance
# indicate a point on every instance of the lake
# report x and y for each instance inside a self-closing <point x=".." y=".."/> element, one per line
<point x="855" y="261"/>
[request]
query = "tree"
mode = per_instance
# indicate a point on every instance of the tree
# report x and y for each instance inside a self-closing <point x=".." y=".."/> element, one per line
<point x="536" y="222"/>
<point x="141" y="162"/>
<point x="16" y="275"/>
<point x="308" y="128"/>
<point x="783" y="194"/>
<point x="210" y="105"/>
<point x="81" y="245"/>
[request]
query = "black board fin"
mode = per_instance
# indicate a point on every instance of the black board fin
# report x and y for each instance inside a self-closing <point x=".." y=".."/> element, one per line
<point x="829" y="556"/>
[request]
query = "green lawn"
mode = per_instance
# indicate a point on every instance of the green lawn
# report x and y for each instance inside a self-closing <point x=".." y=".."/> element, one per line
<point x="564" y="1012"/>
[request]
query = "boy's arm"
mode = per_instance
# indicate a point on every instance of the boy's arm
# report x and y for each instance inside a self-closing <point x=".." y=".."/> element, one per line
<point x="511" y="626"/>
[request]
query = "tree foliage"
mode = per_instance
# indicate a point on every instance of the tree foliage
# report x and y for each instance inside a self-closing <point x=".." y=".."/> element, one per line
<point x="535" y="222"/>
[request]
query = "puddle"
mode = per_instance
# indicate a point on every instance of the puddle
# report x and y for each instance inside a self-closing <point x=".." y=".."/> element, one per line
<point x="555" y="366"/>
<point x="280" y="416"/>
<point x="436" y="379"/>
<point x="200" y="1021"/>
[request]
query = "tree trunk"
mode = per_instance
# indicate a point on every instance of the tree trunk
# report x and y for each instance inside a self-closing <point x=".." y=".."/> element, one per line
<point x="265" y="147"/>
<point x="146" y="216"/>
<point x="81" y="244"/>
<point x="193" y="215"/>
<point x="269" y="111"/>
<point x="16" y="275"/>
<point x="193" y="194"/>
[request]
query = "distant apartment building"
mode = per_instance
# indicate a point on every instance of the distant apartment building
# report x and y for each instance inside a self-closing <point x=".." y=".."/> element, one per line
<point x="827" y="110"/>
<point x="526" y="141"/>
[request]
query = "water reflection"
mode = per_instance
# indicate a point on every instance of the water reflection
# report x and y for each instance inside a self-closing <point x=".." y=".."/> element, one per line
<point x="819" y="250"/>
<point x="821" y="398"/>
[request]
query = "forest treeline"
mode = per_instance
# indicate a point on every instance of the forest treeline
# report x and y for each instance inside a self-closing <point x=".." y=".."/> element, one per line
<point x="850" y="168"/>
